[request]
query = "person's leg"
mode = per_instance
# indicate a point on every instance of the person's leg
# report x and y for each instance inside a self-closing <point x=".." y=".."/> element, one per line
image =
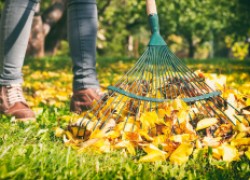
<point x="15" y="29"/>
<point x="82" y="32"/>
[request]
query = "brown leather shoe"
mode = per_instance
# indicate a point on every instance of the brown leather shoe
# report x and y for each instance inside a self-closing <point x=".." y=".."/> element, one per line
<point x="82" y="99"/>
<point x="13" y="103"/>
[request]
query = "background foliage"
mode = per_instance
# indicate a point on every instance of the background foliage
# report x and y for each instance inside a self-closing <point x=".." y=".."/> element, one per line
<point x="195" y="28"/>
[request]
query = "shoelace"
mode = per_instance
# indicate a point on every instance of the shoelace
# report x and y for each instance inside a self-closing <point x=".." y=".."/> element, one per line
<point x="15" y="94"/>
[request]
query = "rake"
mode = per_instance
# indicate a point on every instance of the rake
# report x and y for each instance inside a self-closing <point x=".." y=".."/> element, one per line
<point x="158" y="78"/>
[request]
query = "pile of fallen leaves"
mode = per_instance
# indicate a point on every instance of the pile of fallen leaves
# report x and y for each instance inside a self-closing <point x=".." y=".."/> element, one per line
<point x="173" y="131"/>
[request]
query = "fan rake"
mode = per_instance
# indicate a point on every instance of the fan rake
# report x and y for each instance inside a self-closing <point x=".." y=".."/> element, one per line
<point x="157" y="89"/>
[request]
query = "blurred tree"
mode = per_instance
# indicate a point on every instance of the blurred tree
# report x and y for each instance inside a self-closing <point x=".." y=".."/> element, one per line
<point x="239" y="26"/>
<point x="197" y="21"/>
<point x="121" y="20"/>
<point x="123" y="26"/>
<point x="240" y="23"/>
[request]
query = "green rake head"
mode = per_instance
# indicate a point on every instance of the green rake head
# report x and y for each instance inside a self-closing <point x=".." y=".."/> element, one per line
<point x="156" y="80"/>
<point x="166" y="75"/>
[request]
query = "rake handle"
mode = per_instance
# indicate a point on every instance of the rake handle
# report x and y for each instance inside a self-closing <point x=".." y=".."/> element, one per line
<point x="151" y="7"/>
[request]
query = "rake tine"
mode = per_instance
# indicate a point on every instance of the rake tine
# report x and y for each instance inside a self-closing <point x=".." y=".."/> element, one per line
<point x="236" y="110"/>
<point x="223" y="112"/>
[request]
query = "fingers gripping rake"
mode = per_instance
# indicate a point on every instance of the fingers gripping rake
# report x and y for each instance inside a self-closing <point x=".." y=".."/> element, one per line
<point x="158" y="81"/>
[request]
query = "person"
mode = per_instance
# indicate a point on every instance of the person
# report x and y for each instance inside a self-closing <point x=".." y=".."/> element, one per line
<point x="15" y="29"/>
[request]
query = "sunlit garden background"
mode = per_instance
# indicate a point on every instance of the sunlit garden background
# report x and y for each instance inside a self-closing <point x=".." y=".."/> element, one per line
<point x="208" y="35"/>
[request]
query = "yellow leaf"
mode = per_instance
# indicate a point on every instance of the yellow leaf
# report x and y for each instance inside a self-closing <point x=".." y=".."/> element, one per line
<point x="231" y="100"/>
<point x="149" y="119"/>
<point x="127" y="127"/>
<point x="217" y="153"/>
<point x="200" y="74"/>
<point x="38" y="110"/>
<point x="212" y="142"/>
<point x="62" y="96"/>
<point x="97" y="133"/>
<point x="182" y="138"/>
<point x="159" y="140"/>
<point x="247" y="153"/>
<point x="87" y="144"/>
<point x="152" y="148"/>
<point x="131" y="136"/>
<point x="187" y="128"/>
<point x="241" y="135"/>
<point x="182" y="153"/>
<point x="69" y="135"/>
<point x="179" y="104"/>
<point x="248" y="102"/>
<point x="220" y="82"/>
<point x="109" y="124"/>
<point x="205" y="123"/>
<point x="126" y="144"/>
<point x="66" y="118"/>
<point x="229" y="153"/>
<point x="103" y="145"/>
<point x="113" y="134"/>
<point x="152" y="157"/>
<point x="241" y="141"/>
<point x="77" y="131"/>
<point x="59" y="132"/>
<point x="153" y="154"/>
<point x="163" y="112"/>
<point x="183" y="116"/>
<point x="198" y="144"/>
<point x="145" y="135"/>
<point x="231" y="115"/>
<point x="241" y="127"/>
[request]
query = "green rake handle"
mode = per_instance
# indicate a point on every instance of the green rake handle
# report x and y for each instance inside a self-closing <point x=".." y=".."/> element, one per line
<point x="156" y="39"/>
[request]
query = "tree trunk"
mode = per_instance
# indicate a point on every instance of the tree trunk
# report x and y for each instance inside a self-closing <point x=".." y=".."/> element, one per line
<point x="130" y="42"/>
<point x="53" y="14"/>
<point x="211" y="52"/>
<point x="56" y="34"/>
<point x="191" y="47"/>
<point x="36" y="41"/>
<point x="136" y="47"/>
<point x="42" y="26"/>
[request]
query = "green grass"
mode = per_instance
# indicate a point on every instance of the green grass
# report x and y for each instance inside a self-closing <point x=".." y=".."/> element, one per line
<point x="31" y="151"/>
<point x="225" y="66"/>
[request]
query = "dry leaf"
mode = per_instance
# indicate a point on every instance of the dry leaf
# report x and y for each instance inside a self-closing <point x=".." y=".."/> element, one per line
<point x="205" y="123"/>
<point x="182" y="153"/>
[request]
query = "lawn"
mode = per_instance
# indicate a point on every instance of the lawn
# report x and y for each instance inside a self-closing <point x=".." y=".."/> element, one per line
<point x="31" y="151"/>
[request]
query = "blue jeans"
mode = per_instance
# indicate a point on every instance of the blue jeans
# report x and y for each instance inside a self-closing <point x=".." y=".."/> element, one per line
<point x="82" y="29"/>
